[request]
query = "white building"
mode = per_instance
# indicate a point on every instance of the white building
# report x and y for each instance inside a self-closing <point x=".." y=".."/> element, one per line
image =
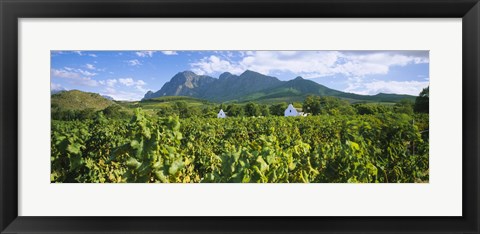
<point x="221" y="114"/>
<point x="291" y="111"/>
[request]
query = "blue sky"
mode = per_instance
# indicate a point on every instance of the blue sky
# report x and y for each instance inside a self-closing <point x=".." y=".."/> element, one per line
<point x="128" y="75"/>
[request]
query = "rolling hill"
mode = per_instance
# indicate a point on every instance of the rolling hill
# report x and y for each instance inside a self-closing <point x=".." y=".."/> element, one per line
<point x="78" y="100"/>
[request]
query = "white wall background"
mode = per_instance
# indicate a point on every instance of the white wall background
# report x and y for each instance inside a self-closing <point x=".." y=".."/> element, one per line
<point x="441" y="197"/>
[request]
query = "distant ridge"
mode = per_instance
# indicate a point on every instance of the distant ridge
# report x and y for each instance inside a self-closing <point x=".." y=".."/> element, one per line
<point x="55" y="91"/>
<point x="108" y="97"/>
<point x="254" y="86"/>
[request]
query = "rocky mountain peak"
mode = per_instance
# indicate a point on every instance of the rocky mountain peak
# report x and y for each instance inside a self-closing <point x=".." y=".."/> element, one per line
<point x="225" y="75"/>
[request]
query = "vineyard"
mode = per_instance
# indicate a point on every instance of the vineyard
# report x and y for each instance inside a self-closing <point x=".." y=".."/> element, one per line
<point x="380" y="148"/>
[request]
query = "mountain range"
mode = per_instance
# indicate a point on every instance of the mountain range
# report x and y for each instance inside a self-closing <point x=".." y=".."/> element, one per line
<point x="253" y="86"/>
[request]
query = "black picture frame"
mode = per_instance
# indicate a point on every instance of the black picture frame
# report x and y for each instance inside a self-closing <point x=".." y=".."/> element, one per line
<point x="12" y="10"/>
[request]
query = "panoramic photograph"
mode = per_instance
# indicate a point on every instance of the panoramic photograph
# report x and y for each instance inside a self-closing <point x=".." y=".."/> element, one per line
<point x="205" y="116"/>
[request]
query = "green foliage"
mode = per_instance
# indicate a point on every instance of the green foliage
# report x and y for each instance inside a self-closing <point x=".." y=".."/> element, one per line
<point x="252" y="109"/>
<point x="115" y="111"/>
<point x="167" y="99"/>
<point x="371" y="109"/>
<point x="58" y="114"/>
<point x="380" y="148"/>
<point x="422" y="101"/>
<point x="166" y="111"/>
<point x="209" y="112"/>
<point x="312" y="105"/>
<point x="235" y="110"/>
<point x="264" y="110"/>
<point x="78" y="100"/>
<point x="278" y="109"/>
<point x="405" y="107"/>
<point x="183" y="110"/>
<point x="317" y="105"/>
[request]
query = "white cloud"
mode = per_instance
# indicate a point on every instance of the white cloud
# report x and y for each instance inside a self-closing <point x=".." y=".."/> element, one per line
<point x="86" y="73"/>
<point x="64" y="73"/>
<point x="109" y="82"/>
<point x="169" y="52"/>
<point x="90" y="66"/>
<point x="75" y="76"/>
<point x="374" y="63"/>
<point x="83" y="53"/>
<point x="134" y="62"/>
<point x="129" y="90"/>
<point x="309" y="64"/>
<point x="131" y="82"/>
<point x="213" y="64"/>
<point x="146" y="53"/>
<point x="397" y="87"/>
<point x="126" y="81"/>
<point x="56" y="52"/>
<point x="123" y="95"/>
<point x="77" y="71"/>
<point x="141" y="82"/>
<point x="54" y="86"/>
<point x="356" y="66"/>
<point x="141" y="88"/>
<point x="229" y="54"/>
<point x="86" y="81"/>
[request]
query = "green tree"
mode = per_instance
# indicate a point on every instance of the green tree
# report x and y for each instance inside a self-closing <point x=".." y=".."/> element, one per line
<point x="405" y="106"/>
<point x="252" y="109"/>
<point x="335" y="106"/>
<point x="182" y="109"/>
<point x="88" y="113"/>
<point x="278" y="109"/>
<point x="312" y="105"/>
<point x="327" y="106"/>
<point x="264" y="110"/>
<point x="166" y="111"/>
<point x="422" y="102"/>
<point x="209" y="112"/>
<point x="235" y="110"/>
<point x="371" y="109"/>
<point x="115" y="111"/>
